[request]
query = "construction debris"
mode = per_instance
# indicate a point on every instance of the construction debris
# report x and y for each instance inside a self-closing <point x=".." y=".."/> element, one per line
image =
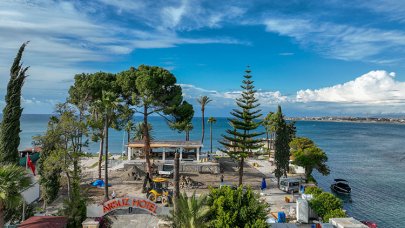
<point x="132" y="174"/>
<point x="188" y="183"/>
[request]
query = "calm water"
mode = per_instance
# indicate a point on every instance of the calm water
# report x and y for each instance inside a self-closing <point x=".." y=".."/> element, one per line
<point x="370" y="156"/>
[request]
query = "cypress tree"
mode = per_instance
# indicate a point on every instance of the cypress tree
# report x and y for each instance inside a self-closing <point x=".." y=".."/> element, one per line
<point x="282" y="148"/>
<point x="10" y="125"/>
<point x="241" y="139"/>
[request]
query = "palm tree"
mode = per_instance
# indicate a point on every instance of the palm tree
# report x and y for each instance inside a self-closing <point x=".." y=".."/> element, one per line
<point x="129" y="127"/>
<point x="203" y="100"/>
<point x="192" y="212"/>
<point x="110" y="103"/>
<point x="96" y="121"/>
<point x="13" y="179"/>
<point x="211" y="121"/>
<point x="139" y="132"/>
<point x="269" y="124"/>
<point x="189" y="127"/>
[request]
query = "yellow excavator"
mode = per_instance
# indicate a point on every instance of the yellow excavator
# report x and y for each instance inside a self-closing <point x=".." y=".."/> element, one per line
<point x="159" y="191"/>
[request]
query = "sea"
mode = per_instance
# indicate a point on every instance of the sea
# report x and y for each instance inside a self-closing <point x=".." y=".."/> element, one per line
<point x="371" y="156"/>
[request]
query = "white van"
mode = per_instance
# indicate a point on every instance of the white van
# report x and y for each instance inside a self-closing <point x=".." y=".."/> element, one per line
<point x="289" y="185"/>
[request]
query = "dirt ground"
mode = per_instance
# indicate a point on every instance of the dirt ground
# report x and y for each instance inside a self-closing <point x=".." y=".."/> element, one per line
<point x="252" y="177"/>
<point x="254" y="171"/>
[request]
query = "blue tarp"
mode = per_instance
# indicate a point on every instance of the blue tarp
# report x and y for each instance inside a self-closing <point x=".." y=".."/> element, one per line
<point x="302" y="189"/>
<point x="264" y="185"/>
<point x="99" y="183"/>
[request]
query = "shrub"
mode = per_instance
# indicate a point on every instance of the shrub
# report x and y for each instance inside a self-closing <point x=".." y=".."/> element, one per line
<point x="325" y="203"/>
<point x="337" y="213"/>
<point x="236" y="208"/>
<point x="314" y="190"/>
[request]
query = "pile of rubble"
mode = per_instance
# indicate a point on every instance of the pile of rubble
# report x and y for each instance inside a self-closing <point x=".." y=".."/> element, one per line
<point x="132" y="174"/>
<point x="188" y="183"/>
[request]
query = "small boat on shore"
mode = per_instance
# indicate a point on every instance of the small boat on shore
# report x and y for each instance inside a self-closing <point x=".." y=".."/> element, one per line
<point x="341" y="186"/>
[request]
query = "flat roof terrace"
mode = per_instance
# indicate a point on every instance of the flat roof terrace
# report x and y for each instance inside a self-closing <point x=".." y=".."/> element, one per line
<point x="168" y="147"/>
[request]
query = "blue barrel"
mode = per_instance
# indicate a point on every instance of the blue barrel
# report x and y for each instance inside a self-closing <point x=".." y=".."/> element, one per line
<point x="281" y="217"/>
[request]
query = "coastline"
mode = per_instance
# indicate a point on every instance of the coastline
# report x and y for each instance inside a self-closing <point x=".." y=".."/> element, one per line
<point x="347" y="121"/>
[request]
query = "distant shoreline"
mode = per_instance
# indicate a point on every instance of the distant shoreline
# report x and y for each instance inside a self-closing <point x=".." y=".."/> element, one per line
<point x="396" y="121"/>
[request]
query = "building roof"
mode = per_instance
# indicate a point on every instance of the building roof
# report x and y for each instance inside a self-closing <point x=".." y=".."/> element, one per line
<point x="167" y="144"/>
<point x="45" y="222"/>
<point x="32" y="149"/>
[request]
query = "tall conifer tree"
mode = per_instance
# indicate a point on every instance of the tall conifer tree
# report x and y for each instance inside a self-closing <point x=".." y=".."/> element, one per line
<point x="282" y="148"/>
<point x="10" y="125"/>
<point x="241" y="140"/>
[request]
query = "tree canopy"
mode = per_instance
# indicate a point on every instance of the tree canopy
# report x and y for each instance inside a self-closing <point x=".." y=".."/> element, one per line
<point x="10" y="125"/>
<point x="154" y="90"/>
<point x="309" y="156"/>
<point x="301" y="143"/>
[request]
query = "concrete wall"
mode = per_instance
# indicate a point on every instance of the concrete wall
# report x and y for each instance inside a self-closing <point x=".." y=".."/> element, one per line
<point x="185" y="167"/>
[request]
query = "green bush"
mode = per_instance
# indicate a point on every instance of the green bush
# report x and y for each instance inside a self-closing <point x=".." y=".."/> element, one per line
<point x="337" y="213"/>
<point x="236" y="208"/>
<point x="314" y="190"/>
<point x="324" y="203"/>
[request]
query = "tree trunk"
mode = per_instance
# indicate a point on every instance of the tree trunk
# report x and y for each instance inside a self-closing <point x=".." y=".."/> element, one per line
<point x="241" y="170"/>
<point x="100" y="156"/>
<point x="1" y="215"/>
<point x="268" y="142"/>
<point x="203" y="126"/>
<point x="67" y="174"/>
<point x="146" y="139"/>
<point x="176" y="193"/>
<point x="68" y="184"/>
<point x="106" y="198"/>
<point x="308" y="173"/>
<point x="211" y="137"/>
<point x="128" y="136"/>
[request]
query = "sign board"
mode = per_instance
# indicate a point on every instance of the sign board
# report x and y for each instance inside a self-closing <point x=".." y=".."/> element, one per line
<point x="95" y="210"/>
<point x="31" y="194"/>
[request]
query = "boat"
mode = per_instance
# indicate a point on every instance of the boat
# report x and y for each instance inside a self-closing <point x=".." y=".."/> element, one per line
<point x="341" y="186"/>
<point x="369" y="224"/>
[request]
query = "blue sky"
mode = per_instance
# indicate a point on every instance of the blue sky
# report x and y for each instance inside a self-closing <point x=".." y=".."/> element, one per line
<point x="313" y="57"/>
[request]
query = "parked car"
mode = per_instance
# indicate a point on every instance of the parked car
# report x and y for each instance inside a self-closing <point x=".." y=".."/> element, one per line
<point x="290" y="185"/>
<point x="167" y="170"/>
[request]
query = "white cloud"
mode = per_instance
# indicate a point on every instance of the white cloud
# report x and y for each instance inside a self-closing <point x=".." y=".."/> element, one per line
<point x="266" y="98"/>
<point x="341" y="41"/>
<point x="375" y="87"/>
<point x="374" y="93"/>
<point x="66" y="37"/>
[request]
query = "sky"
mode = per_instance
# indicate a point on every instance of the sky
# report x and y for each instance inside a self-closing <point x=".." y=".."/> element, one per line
<point x="314" y="58"/>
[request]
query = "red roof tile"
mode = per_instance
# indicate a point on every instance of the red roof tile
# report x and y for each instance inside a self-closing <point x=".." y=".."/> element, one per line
<point x="45" y="222"/>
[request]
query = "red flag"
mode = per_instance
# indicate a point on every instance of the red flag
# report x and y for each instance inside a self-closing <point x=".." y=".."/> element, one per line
<point x="30" y="164"/>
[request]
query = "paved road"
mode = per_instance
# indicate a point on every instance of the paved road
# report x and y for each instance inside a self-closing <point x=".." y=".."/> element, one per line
<point x="138" y="218"/>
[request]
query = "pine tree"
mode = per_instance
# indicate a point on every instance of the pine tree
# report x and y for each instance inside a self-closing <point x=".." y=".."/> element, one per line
<point x="282" y="148"/>
<point x="241" y="139"/>
<point x="10" y="126"/>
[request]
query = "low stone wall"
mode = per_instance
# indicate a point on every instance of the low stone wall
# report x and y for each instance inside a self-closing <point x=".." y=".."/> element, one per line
<point x="185" y="167"/>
